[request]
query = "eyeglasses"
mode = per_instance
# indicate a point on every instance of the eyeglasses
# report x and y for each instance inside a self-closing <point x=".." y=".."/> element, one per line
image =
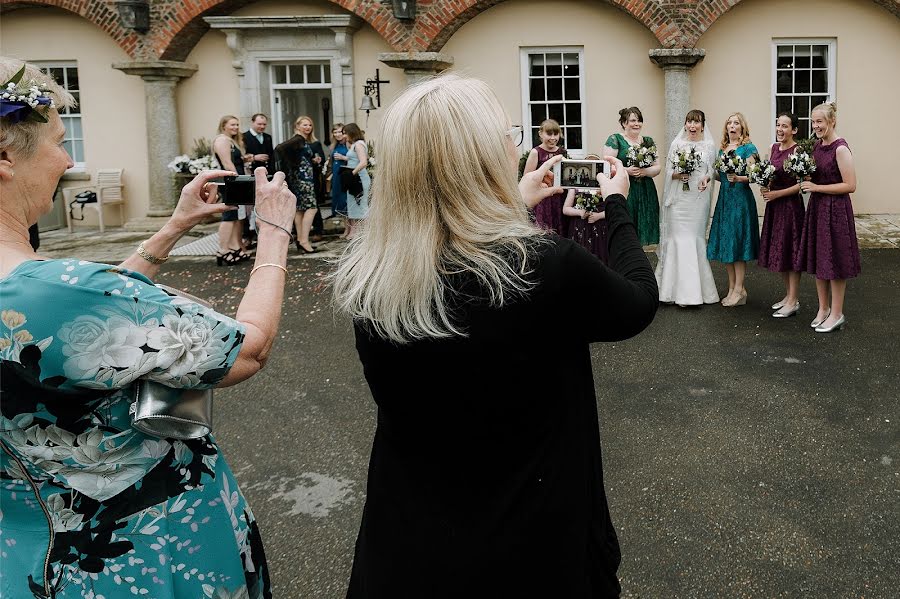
<point x="516" y="134"/>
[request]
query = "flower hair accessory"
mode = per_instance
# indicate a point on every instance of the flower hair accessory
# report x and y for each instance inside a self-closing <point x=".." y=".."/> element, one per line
<point x="19" y="102"/>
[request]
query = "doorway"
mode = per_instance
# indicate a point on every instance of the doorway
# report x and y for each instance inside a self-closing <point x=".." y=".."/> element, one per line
<point x="300" y="89"/>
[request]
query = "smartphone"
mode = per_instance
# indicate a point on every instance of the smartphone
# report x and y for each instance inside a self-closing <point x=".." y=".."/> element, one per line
<point x="579" y="174"/>
<point x="239" y="190"/>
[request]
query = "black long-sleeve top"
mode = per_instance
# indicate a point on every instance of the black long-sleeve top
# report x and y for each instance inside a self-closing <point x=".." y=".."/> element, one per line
<point x="486" y="478"/>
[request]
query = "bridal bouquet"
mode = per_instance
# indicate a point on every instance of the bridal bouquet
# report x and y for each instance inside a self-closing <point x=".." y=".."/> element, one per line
<point x="730" y="163"/>
<point x="589" y="202"/>
<point x="761" y="173"/>
<point x="641" y="156"/>
<point x="685" y="162"/>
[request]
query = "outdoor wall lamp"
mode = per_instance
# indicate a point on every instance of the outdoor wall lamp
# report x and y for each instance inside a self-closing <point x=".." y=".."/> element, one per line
<point x="372" y="86"/>
<point x="134" y="14"/>
<point x="404" y="10"/>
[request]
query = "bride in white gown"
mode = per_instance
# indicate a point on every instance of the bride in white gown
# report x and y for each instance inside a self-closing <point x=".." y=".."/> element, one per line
<point x="683" y="272"/>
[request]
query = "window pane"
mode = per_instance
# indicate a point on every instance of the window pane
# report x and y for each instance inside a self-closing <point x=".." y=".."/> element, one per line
<point x="78" y="149"/>
<point x="295" y="73"/>
<point x="573" y="138"/>
<point x="72" y="76"/>
<point x="314" y="73"/>
<point x="785" y="84"/>
<point x="536" y="89"/>
<point x="801" y="106"/>
<point x="803" y="129"/>
<point x="573" y="114"/>
<point x="77" y="108"/>
<point x="279" y="73"/>
<point x="58" y="76"/>
<point x="537" y="64"/>
<point x="570" y="65"/>
<point x="327" y="72"/>
<point x="554" y="88"/>
<point x="801" y="82"/>
<point x="801" y="57"/>
<point x="538" y="113"/>
<point x="783" y="104"/>
<point x="554" y="65"/>
<point x="556" y="112"/>
<point x="820" y="82"/>
<point x="785" y="59"/>
<point x="73" y="128"/>
<point x="816" y="100"/>
<point x="820" y="57"/>
<point x="573" y="89"/>
<point x="67" y="146"/>
<point x="535" y="138"/>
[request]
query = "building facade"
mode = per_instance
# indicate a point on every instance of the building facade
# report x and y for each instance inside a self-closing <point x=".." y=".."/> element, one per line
<point x="145" y="96"/>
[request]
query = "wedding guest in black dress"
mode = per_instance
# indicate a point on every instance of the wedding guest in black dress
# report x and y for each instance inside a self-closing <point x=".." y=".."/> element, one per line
<point x="484" y="480"/>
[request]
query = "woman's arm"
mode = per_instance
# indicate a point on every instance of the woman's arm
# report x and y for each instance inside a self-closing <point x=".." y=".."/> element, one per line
<point x="531" y="162"/>
<point x="848" y="176"/>
<point x="652" y="170"/>
<point x="363" y="155"/>
<point x="569" y="208"/>
<point x="222" y="147"/>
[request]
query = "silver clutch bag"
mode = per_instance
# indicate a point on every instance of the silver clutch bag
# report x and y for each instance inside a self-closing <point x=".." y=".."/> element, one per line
<point x="168" y="413"/>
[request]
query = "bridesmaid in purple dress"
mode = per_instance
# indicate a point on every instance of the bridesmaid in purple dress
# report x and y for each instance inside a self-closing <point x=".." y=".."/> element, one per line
<point x="549" y="213"/>
<point x="779" y="241"/>
<point x="828" y="248"/>
<point x="588" y="229"/>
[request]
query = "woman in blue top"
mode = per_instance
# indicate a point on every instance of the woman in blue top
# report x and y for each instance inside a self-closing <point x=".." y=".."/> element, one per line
<point x="357" y="160"/>
<point x="338" y="155"/>
<point x="91" y="506"/>
<point x="734" y="235"/>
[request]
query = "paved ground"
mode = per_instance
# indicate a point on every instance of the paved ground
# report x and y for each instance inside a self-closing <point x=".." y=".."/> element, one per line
<point x="744" y="456"/>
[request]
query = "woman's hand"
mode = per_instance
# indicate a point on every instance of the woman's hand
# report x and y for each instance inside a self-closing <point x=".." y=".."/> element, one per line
<point x="317" y="159"/>
<point x="535" y="186"/>
<point x="732" y="178"/>
<point x="339" y="156"/>
<point x="199" y="200"/>
<point x="635" y="171"/>
<point x="274" y="201"/>
<point x="618" y="182"/>
<point x="260" y="157"/>
<point x="807" y="186"/>
<point x="595" y="216"/>
<point x="704" y="183"/>
<point x="768" y="195"/>
<point x="683" y="177"/>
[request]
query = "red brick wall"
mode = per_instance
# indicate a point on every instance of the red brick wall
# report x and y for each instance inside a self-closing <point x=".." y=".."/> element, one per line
<point x="177" y="25"/>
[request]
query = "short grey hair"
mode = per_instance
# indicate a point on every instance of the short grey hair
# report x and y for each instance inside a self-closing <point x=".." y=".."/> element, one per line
<point x="22" y="138"/>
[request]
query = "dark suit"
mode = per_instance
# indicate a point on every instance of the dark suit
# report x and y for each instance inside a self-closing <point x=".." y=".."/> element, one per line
<point x="254" y="147"/>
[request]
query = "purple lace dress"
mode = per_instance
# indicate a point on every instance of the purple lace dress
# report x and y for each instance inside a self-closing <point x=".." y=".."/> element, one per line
<point x="779" y="241"/>
<point x="548" y="214"/>
<point x="828" y="248"/>
<point x="594" y="237"/>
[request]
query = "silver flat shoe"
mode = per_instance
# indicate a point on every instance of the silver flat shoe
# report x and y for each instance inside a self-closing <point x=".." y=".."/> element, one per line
<point x="816" y="323"/>
<point x="791" y="312"/>
<point x="838" y="324"/>
<point x="778" y="305"/>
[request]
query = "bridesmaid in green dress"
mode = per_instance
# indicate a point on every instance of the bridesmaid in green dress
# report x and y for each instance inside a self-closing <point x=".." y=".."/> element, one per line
<point x="734" y="233"/>
<point x="643" y="202"/>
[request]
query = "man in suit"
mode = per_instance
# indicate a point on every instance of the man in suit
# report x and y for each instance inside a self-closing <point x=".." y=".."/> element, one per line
<point x="259" y="143"/>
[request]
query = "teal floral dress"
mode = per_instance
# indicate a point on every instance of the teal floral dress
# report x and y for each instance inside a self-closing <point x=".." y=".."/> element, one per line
<point x="642" y="201"/>
<point x="91" y="507"/>
<point x="734" y="234"/>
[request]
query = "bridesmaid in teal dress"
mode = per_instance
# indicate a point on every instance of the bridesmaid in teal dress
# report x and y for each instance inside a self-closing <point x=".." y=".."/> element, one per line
<point x="734" y="235"/>
<point x="643" y="201"/>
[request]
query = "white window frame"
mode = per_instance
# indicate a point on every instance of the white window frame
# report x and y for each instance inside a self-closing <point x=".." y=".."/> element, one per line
<point x="831" y="94"/>
<point x="525" y="77"/>
<point x="327" y="66"/>
<point x="80" y="165"/>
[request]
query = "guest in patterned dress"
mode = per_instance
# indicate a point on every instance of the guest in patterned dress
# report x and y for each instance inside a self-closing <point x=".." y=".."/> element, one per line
<point x="91" y="506"/>
<point x="549" y="213"/>
<point x="734" y="233"/>
<point x="643" y="201"/>
<point x="782" y="227"/>
<point x="828" y="247"/>
<point x="300" y="163"/>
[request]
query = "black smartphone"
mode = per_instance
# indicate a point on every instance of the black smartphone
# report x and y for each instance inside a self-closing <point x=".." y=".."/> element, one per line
<point x="239" y="190"/>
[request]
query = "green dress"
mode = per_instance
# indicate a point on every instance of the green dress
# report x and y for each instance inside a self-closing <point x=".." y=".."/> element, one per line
<point x="643" y="202"/>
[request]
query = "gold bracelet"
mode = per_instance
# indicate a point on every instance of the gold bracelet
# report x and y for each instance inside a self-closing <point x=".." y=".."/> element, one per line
<point x="143" y="253"/>
<point x="258" y="266"/>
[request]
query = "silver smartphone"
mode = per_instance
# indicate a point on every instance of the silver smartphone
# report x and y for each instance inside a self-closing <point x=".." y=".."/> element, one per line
<point x="579" y="174"/>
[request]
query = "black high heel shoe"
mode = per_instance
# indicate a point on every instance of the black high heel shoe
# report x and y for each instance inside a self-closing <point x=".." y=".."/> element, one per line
<point x="303" y="250"/>
<point x="240" y="255"/>
<point x="228" y="259"/>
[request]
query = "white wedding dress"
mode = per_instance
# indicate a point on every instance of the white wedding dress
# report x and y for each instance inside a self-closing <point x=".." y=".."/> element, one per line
<point x="683" y="273"/>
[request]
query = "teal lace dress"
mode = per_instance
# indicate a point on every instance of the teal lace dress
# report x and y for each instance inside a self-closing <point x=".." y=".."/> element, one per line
<point x="734" y="235"/>
<point x="643" y="201"/>
<point x="90" y="506"/>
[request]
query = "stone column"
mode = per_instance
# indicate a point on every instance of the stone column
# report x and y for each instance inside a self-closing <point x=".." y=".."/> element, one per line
<point x="160" y="78"/>
<point x="417" y="65"/>
<point x="677" y="64"/>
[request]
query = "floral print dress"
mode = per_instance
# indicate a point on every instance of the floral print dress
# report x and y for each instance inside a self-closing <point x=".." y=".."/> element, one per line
<point x="90" y="507"/>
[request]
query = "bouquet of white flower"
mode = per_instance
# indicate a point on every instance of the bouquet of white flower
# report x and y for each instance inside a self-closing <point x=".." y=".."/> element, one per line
<point x="801" y="165"/>
<point x="761" y="173"/>
<point x="730" y="163"/>
<point x="180" y="164"/>
<point x="685" y="162"/>
<point x="203" y="163"/>
<point x="641" y="156"/>
<point x="589" y="202"/>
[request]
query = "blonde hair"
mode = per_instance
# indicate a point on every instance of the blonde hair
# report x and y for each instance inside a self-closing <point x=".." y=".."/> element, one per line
<point x="550" y="127"/>
<point x="829" y="109"/>
<point x="312" y="131"/>
<point x="23" y="138"/>
<point x="444" y="203"/>
<point x="237" y="138"/>
<point x="745" y="130"/>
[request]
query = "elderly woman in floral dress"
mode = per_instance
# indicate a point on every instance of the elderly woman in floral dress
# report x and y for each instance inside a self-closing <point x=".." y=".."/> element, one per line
<point x="91" y="506"/>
